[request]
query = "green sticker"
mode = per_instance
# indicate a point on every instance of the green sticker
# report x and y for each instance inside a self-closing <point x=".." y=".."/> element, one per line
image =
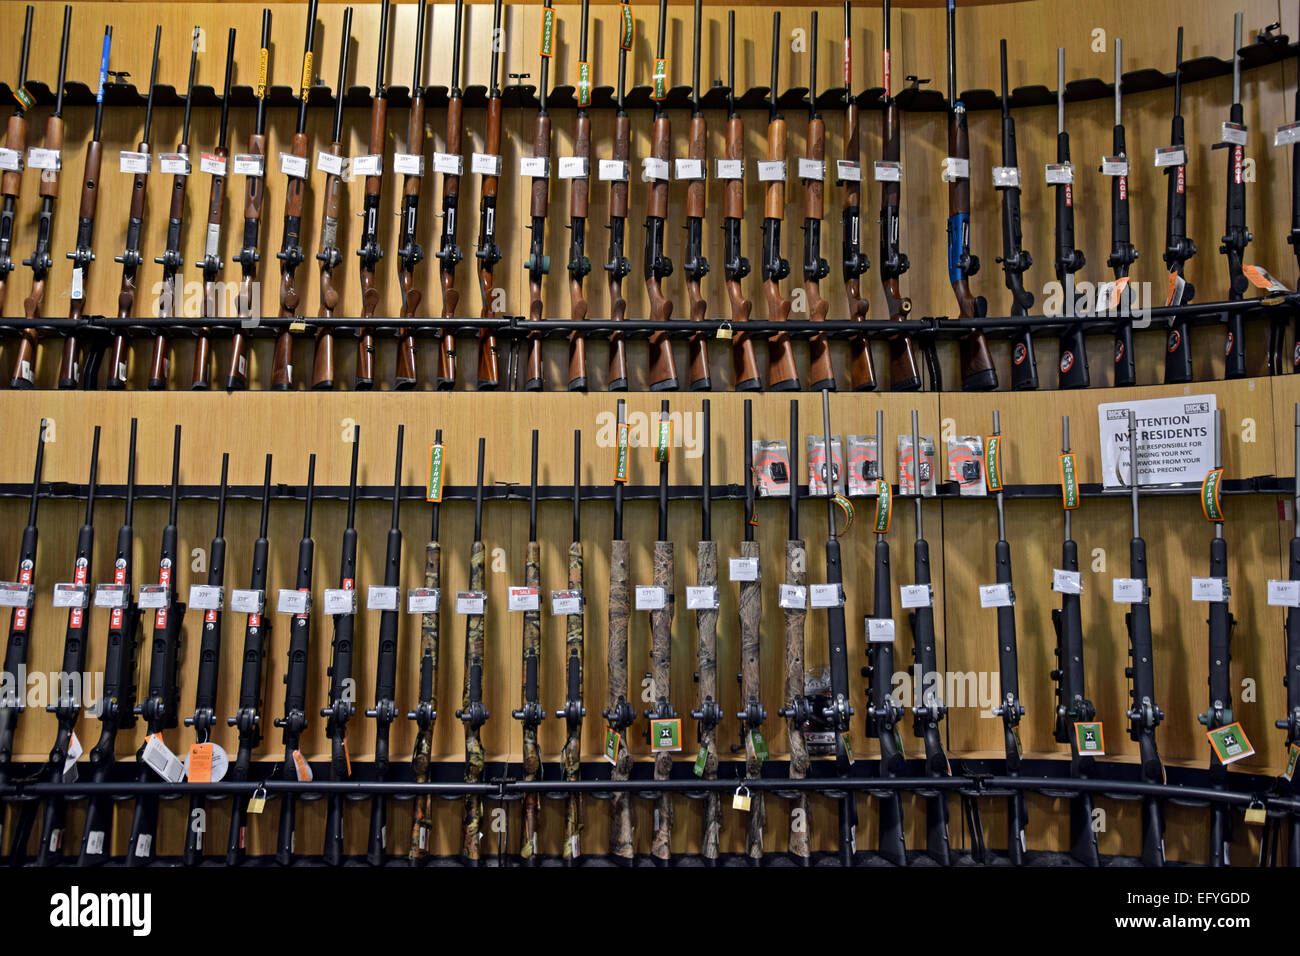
<point x="848" y="747"/>
<point x="1088" y="738"/>
<point x="884" y="506"/>
<point x="628" y="33"/>
<point x="1020" y="748"/>
<point x="612" y="743"/>
<point x="666" y="734"/>
<point x="993" y="462"/>
<point x="434" y="492"/>
<point x="759" y="744"/>
<point x="1292" y="757"/>
<point x="1210" y="495"/>
<point x="663" y="439"/>
<point x="584" y="84"/>
<point x="1069" y="483"/>
<point x="620" y="459"/>
<point x="1230" y="743"/>
<point x="660" y="79"/>
<point x="701" y="759"/>
<point x="548" y="31"/>
<point x="24" y="98"/>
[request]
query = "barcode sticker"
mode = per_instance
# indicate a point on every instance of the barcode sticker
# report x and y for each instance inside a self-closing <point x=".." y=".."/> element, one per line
<point x="38" y="158"/>
<point x="729" y="169"/>
<point x="888" y="172"/>
<point x="538" y="167"/>
<point x="612" y="170"/>
<point x="703" y="598"/>
<point x="522" y="599"/>
<point x="340" y="601"/>
<point x="295" y="166"/>
<point x="368" y="165"/>
<point x="247" y="601"/>
<point x="650" y="597"/>
<point x="485" y="164"/>
<point x="450" y="164"/>
<point x="1059" y="174"/>
<point x="206" y="597"/>
<point x="915" y="595"/>
<point x="423" y="600"/>
<point x="812" y="168"/>
<point x="771" y="170"/>
<point x="381" y="597"/>
<point x="997" y="595"/>
<point x="248" y="164"/>
<point x="1066" y="582"/>
<point x="129" y="162"/>
<point x="848" y="172"/>
<point x="412" y="164"/>
<point x="574" y="167"/>
<point x="1171" y="156"/>
<point x="328" y="163"/>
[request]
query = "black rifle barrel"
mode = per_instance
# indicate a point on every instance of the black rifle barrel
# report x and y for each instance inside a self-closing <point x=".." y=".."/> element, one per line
<point x="455" y="50"/>
<point x="417" y="87"/>
<point x="776" y="62"/>
<point x="259" y="124"/>
<point x="618" y="485"/>
<point x="382" y="58"/>
<point x="812" y="69"/>
<point x="793" y="470"/>
<point x="577" y="484"/>
<point x="36" y="476"/>
<point x="176" y="473"/>
<point x="663" y="481"/>
<point x="153" y="81"/>
<point x="63" y="60"/>
<point x="340" y="90"/>
<point x="478" y="493"/>
<point x="27" y="49"/>
<point x="706" y="475"/>
<point x="731" y="61"/>
<point x="496" y="56"/>
<point x="189" y="88"/>
<point x="695" y="71"/>
<point x="225" y="95"/>
<point x="748" y="447"/>
<point x="532" y="494"/>
<point x="308" y="67"/>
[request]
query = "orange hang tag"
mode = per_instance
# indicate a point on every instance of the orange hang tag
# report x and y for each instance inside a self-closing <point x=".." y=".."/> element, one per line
<point x="302" y="767"/>
<point x="200" y="763"/>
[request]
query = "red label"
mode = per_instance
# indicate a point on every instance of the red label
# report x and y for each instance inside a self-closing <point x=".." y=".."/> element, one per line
<point x="1123" y="187"/>
<point x="1069" y="195"/>
<point x="254" y="620"/>
<point x="165" y="579"/>
<point x="20" y="614"/>
<point x="1236" y="164"/>
<point x="210" y="616"/>
<point x="303" y="617"/>
<point x="1181" y="178"/>
<point x="348" y="584"/>
<point x="119" y="577"/>
<point x="74" y="619"/>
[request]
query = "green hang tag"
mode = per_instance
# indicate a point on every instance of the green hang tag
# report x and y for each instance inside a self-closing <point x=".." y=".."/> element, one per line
<point x="993" y="462"/>
<point x="898" y="738"/>
<point x="1230" y="743"/>
<point x="628" y="32"/>
<point x="434" y="492"/>
<point x="1292" y="758"/>
<point x="612" y="743"/>
<point x="660" y="79"/>
<point x="24" y="98"/>
<point x="701" y="759"/>
<point x="1020" y="748"/>
<point x="848" y="746"/>
<point x="1069" y="483"/>
<point x="849" y="512"/>
<point x="620" y="458"/>
<point x="584" y="84"/>
<point x="1210" y="495"/>
<point x="548" y="31"/>
<point x="1088" y="738"/>
<point x="663" y="439"/>
<point x="884" y="506"/>
<point x="759" y="744"/>
<point x="666" y="735"/>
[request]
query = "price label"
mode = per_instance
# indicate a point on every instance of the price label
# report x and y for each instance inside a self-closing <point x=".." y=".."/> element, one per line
<point x="158" y="758"/>
<point x="728" y="169"/>
<point x="538" y="167"/>
<point x="825" y="595"/>
<point x="1059" y="174"/>
<point x="206" y="597"/>
<point x="470" y="602"/>
<point x="11" y="160"/>
<point x="212" y="164"/>
<point x="70" y="595"/>
<point x="329" y="164"/>
<point x="1171" y="156"/>
<point x="915" y="595"/>
<point x="1287" y="134"/>
<point x="110" y="595"/>
<point x="294" y="166"/>
<point x="688" y="168"/>
<point x="744" y="569"/>
<point x="771" y="170"/>
<point x="1213" y="590"/>
<point x="888" y="172"/>
<point x="78" y="289"/>
<point x="954" y="168"/>
<point x="612" y="170"/>
<point x="248" y="164"/>
<point x="1006" y="176"/>
<point x="293" y="601"/>
<point x="793" y="597"/>
<point x="1284" y="593"/>
<point x="997" y="595"/>
<point x="381" y="597"/>
<point x="151" y="596"/>
<point x="485" y="164"/>
<point x="703" y="598"/>
<point x="38" y="158"/>
<point x="566" y="602"/>
<point x="1114" y="166"/>
<point x="523" y="599"/>
<point x="423" y="600"/>
<point x="447" y="163"/>
<point x="847" y="171"/>
<point x="812" y="168"/>
<point x="1128" y="591"/>
<point x="412" y="164"/>
<point x="574" y="167"/>
<point x="129" y="162"/>
<point x="1234" y="133"/>
<point x="650" y="597"/>
<point x="15" y="595"/>
<point x="247" y="601"/>
<point x="880" y="630"/>
<point x="368" y="165"/>
<point x="339" y="601"/>
<point x="1066" y="582"/>
<point x="654" y="169"/>
<point x="174" y="164"/>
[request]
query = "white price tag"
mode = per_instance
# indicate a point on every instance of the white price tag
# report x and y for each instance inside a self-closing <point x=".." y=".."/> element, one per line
<point x="129" y="162"/>
<point x="743" y="569"/>
<point x="110" y="595"/>
<point x="15" y="595"/>
<point x="212" y="164"/>
<point x="1234" y="133"/>
<point x="248" y="164"/>
<point x="848" y="172"/>
<point x="11" y="160"/>
<point x="151" y="597"/>
<point x="688" y="169"/>
<point x="574" y="167"/>
<point x="1059" y="174"/>
<point x="566" y="602"/>
<point x="915" y="595"/>
<point x="1114" y="166"/>
<point x="295" y="166"/>
<point x="1284" y="593"/>
<point x="1213" y="590"/>
<point x="158" y="758"/>
<point x="412" y="164"/>
<point x="812" y="168"/>
<point x="702" y="598"/>
<point x="423" y="600"/>
<point x="650" y="597"/>
<point x="293" y="601"/>
<point x="38" y="158"/>
<point x="1171" y="156"/>
<point x="340" y="601"/>
<point x="793" y="597"/>
<point x="206" y="597"/>
<point x="888" y="172"/>
<point x="522" y="599"/>
<point x="368" y="165"/>
<point x="1128" y="591"/>
<point x="1066" y="582"/>
<point x="470" y="602"/>
<point x="880" y="630"/>
<point x="654" y="169"/>
<point x="244" y="601"/>
<point x="538" y="167"/>
<point x="825" y="595"/>
<point x="997" y="595"/>
<point x="328" y="163"/>
<point x="954" y="168"/>
<point x="771" y="170"/>
<point x="1287" y="134"/>
<point x="380" y="597"/>
<point x="70" y="595"/>
<point x="78" y="290"/>
<point x="1006" y="176"/>
<point x="450" y="164"/>
<point x="728" y="169"/>
<point x="173" y="164"/>
<point x="612" y="170"/>
<point x="485" y="164"/>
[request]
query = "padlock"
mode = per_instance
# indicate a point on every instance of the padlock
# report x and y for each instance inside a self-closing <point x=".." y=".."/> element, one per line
<point x="740" y="799"/>
<point x="723" y="331"/>
<point x="1256" y="814"/>
<point x="257" y="802"/>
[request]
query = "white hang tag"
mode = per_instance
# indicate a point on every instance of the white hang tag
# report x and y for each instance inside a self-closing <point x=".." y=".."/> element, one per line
<point x="248" y="164"/>
<point x="954" y="168"/>
<point x="1066" y="582"/>
<point x="212" y="164"/>
<point x="423" y="600"/>
<point x="574" y="167"/>
<point x="485" y="164"/>
<point x="151" y="597"/>
<point x="38" y="158"/>
<point x="449" y="164"/>
<point x="328" y="163"/>
<point x="110" y="596"/>
<point x="340" y="601"/>
<point x="566" y="602"/>
<point x="157" y="756"/>
<point x="793" y="597"/>
<point x="880" y="630"/>
<point x="206" y="597"/>
<point x="1171" y="156"/>
<point x="1234" y="133"/>
<point x="78" y="289"/>
<point x="293" y="601"/>
<point x="704" y="598"/>
<point x="1128" y="591"/>
<point x="295" y="166"/>
<point x="1005" y="177"/>
<point x="1284" y="593"/>
<point x="70" y="595"/>
<point x="382" y="597"/>
<point x="612" y="170"/>
<point x="888" y="172"/>
<point x="538" y="167"/>
<point x="915" y="595"/>
<point x="825" y="595"/>
<point x="220" y="762"/>
<point x="847" y="171"/>
<point x="997" y="595"/>
<point x="412" y="164"/>
<point x="1114" y="166"/>
<point x="728" y="169"/>
<point x="743" y="569"/>
<point x="470" y="602"/>
<point x="368" y="165"/>
<point x="654" y="169"/>
<point x="1059" y="174"/>
<point x="814" y="169"/>
<point x="650" y="597"/>
<point x="771" y="170"/>
<point x="1213" y="590"/>
<point x="130" y="162"/>
<point x="688" y="169"/>
<point x="522" y="599"/>
<point x="70" y="762"/>
<point x="245" y="601"/>
<point x="13" y="594"/>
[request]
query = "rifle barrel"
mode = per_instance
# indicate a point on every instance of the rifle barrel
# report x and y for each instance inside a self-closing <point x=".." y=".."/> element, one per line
<point x="437" y="506"/>
<point x="1133" y="469"/>
<point x="189" y="89"/>
<point x="952" y="49"/>
<point x="776" y="60"/>
<point x="663" y="482"/>
<point x="1060" y="90"/>
<point x="826" y="464"/>
<point x="27" y="49"/>
<point x="747" y="446"/>
<point x="94" y="472"/>
<point x="130" y="476"/>
<point x="383" y="48"/>
<point x="1236" y="60"/>
<point x="225" y="96"/>
<point x="695" y="73"/>
<point x="455" y="50"/>
<point x="63" y="59"/>
<point x="1178" y="76"/>
<point x="266" y="497"/>
<point x="176" y="472"/>
<point x="1119" y="82"/>
<point x="36" y="477"/>
<point x="418" y="74"/>
<point x="478" y="493"/>
<point x="221" y="496"/>
<point x="397" y="476"/>
<point x="794" y="471"/>
<point x="340" y="90"/>
<point x="916" y="464"/>
<point x="1002" y="520"/>
<point x="577" y="482"/>
<point x="259" y="90"/>
<point x="532" y="494"/>
<point x="307" y="67"/>
<point x="618" y="485"/>
<point x="153" y="81"/>
<point x="1065" y="449"/>
<point x="352" y="482"/>
<point x="311" y="496"/>
<point x="706" y="477"/>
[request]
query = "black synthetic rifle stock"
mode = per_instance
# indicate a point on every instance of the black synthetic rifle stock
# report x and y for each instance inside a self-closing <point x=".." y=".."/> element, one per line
<point x="579" y="265"/>
<point x="71" y="695"/>
<point x="883" y="714"/>
<point x="530" y="713"/>
<point x="472" y="711"/>
<point x="369" y="251"/>
<point x="205" y="694"/>
<point x="340" y="707"/>
<point x="709" y="714"/>
<point x="117" y="702"/>
<point x="661" y="630"/>
<point x="1178" y="246"/>
<point x="1235" y="236"/>
<point x="1291" y="678"/>
<point x="449" y="253"/>
<point x="538" y="264"/>
<point x="753" y="713"/>
<point x="252" y="683"/>
<point x="16" y="140"/>
<point x="1122" y="253"/>
<point x="161" y="704"/>
<point x="385" y="710"/>
<point x="574" y="655"/>
<point x="1072" y="362"/>
<point x="1143" y="714"/>
<point x="410" y="254"/>
<point x="1072" y="703"/>
<point x="294" y="721"/>
<point x="618" y="711"/>
<point x="1015" y="258"/>
<point x="426" y="710"/>
<point x="694" y="266"/>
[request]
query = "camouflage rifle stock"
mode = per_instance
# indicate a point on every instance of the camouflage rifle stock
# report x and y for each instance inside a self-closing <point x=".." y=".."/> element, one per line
<point x="574" y="654"/>
<point x="426" y="711"/>
<point x="709" y="713"/>
<point x="530" y="713"/>
<point x="619" y="712"/>
<point x="661" y="650"/>
<point x="472" y="711"/>
<point x="753" y="714"/>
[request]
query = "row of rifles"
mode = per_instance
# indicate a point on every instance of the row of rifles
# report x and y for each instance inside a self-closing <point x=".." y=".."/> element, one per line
<point x="803" y="712"/>
<point x="977" y="368"/>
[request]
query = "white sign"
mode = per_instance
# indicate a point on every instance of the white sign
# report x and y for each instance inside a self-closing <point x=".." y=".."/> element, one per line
<point x="1212" y="590"/>
<point x="206" y="597"/>
<point x="340" y="601"/>
<point x="38" y="158"/>
<point x="847" y="171"/>
<point x="825" y="595"/>
<point x="246" y="601"/>
<point x="329" y="164"/>
<point x="110" y="595"/>
<point x="650" y="597"/>
<point x="953" y="168"/>
<point x="423" y="600"/>
<point x="151" y="596"/>
<point x="158" y="758"/>
<point x="997" y="595"/>
<point x="1128" y="591"/>
<point x="248" y="164"/>
<point x="1287" y="134"/>
<point x="538" y="167"/>
<point x="295" y="166"/>
<point x="485" y="164"/>
<point x="368" y="165"/>
<point x="729" y="169"/>
<point x="702" y="598"/>
<point x="793" y="597"/>
<point x="1233" y="133"/>
<point x="1114" y="166"/>
<point x="412" y="164"/>
<point x="470" y="602"/>
<point x="1171" y="156"/>
<point x="743" y="569"/>
<point x="212" y="164"/>
<point x="688" y="168"/>
<point x="174" y="164"/>
<point x="915" y="595"/>
<point x="566" y="602"/>
<point x="574" y="167"/>
<point x="1066" y="582"/>
<point x="522" y="599"/>
<point x="448" y="163"/>
<point x="293" y="601"/>
<point x="128" y="162"/>
<point x="12" y="161"/>
<point x="15" y="595"/>
<point x="771" y="170"/>
<point x="70" y="595"/>
<point x="888" y="172"/>
<point x="1175" y="441"/>
<point x="653" y="169"/>
<point x="812" y="168"/>
<point x="1059" y="174"/>
<point x="1284" y="593"/>
<point x="1005" y="177"/>
<point x="380" y="597"/>
<point x="880" y="630"/>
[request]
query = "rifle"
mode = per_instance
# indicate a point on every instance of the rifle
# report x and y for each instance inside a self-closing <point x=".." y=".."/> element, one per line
<point x="751" y="619"/>
<point x="1143" y="716"/>
<point x="411" y="254"/>
<point x="735" y="266"/>
<point x="579" y="265"/>
<point x="1235" y="237"/>
<point x="661" y="648"/>
<point x="426" y="711"/>
<point x="340" y="707"/>
<point x="117" y="703"/>
<point x="322" y="376"/>
<point x="782" y="375"/>
<point x="385" y="710"/>
<point x="861" y="365"/>
<point x="254" y="193"/>
<point x="694" y="265"/>
<point x="291" y="255"/>
<point x="488" y="252"/>
<point x="838" y="714"/>
<point x="1178" y="247"/>
<point x="205" y="694"/>
<point x="449" y="252"/>
<point x="1015" y="258"/>
<point x="252" y="682"/>
<point x="1122" y="254"/>
<point x="530" y="714"/>
<point x="618" y="710"/>
<point x="928" y="708"/>
<point x="1291" y="723"/>
<point x="1293" y="239"/>
<point x="618" y="266"/>
<point x="369" y="250"/>
<point x="211" y="263"/>
<point x="539" y="263"/>
<point x="472" y="710"/>
<point x="1010" y="709"/>
<point x="1072" y="364"/>
<point x="815" y="268"/>
<point x="1072" y="703"/>
<point x="15" y="141"/>
<point x="1219" y="713"/>
<point x="574" y="711"/>
<point x="663" y="369"/>
<point x="69" y="368"/>
<point x="172" y="259"/>
<point x="709" y="713"/>
<point x="160" y="706"/>
<point x="69" y="701"/>
<point x="884" y="715"/>
<point x="24" y="371"/>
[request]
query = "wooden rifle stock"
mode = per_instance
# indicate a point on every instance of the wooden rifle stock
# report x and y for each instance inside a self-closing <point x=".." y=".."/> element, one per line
<point x="488" y="375"/>
<point x="369" y="292"/>
<point x="903" y="371"/>
<point x="696" y="209"/>
<point x="121" y="354"/>
<point x="578" y="206"/>
<point x="862" y="367"/>
<point x="254" y="193"/>
<point x="25" y="357"/>
<point x="411" y="296"/>
<point x="159" y="363"/>
<point x="322" y="375"/>
<point x="282" y="359"/>
<point x="202" y="374"/>
<point x="820" y="370"/>
<point x="618" y="209"/>
<point x="781" y="370"/>
<point x="89" y="202"/>
<point x="663" y="368"/>
<point x="743" y="362"/>
<point x="450" y="200"/>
